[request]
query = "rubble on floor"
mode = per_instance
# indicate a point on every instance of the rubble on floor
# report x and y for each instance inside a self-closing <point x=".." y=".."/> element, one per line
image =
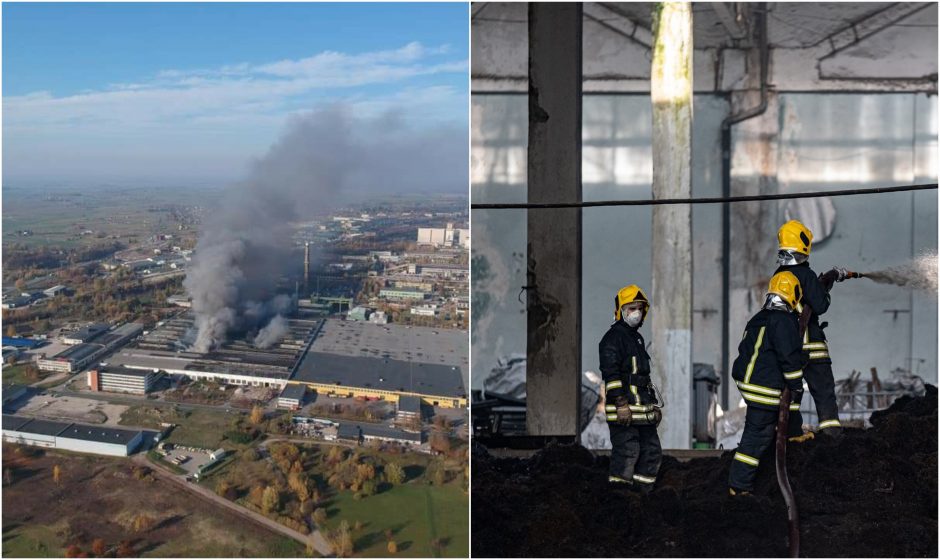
<point x="870" y="493"/>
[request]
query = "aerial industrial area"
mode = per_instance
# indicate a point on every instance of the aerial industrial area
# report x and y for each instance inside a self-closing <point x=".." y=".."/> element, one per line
<point x="357" y="381"/>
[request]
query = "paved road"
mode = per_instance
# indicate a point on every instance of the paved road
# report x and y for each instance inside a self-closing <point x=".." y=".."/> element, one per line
<point x="315" y="538"/>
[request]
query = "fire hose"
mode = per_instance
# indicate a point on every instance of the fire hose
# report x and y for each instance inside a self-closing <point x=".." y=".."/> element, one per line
<point x="783" y="419"/>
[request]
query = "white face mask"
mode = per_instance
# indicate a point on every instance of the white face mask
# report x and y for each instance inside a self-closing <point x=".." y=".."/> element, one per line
<point x="633" y="318"/>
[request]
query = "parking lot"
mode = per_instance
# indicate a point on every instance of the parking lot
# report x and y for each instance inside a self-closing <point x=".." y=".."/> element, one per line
<point x="195" y="457"/>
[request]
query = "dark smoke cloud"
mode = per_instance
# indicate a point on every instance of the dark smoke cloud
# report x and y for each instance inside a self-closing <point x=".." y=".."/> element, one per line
<point x="323" y="158"/>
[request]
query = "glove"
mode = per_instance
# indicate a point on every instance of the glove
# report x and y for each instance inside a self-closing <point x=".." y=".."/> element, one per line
<point x="828" y="278"/>
<point x="657" y="417"/>
<point x="624" y="415"/>
<point x="796" y="397"/>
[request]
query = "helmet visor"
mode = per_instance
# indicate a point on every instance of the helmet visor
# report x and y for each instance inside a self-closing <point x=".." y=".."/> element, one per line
<point x="786" y="257"/>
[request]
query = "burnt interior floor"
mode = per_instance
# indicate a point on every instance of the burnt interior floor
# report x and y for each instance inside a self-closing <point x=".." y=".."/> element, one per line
<point x="869" y="493"/>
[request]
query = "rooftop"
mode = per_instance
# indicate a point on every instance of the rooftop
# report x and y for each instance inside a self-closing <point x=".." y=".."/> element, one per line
<point x="293" y="391"/>
<point x="88" y="333"/>
<point x="121" y="370"/>
<point x="349" y="430"/>
<point x="78" y="352"/>
<point x="397" y="342"/>
<point x="381" y="373"/>
<point x="409" y="404"/>
<point x="63" y="429"/>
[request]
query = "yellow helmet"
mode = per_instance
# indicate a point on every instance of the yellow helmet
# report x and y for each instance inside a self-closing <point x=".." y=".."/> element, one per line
<point x="630" y="294"/>
<point x="786" y="285"/>
<point x="794" y="236"/>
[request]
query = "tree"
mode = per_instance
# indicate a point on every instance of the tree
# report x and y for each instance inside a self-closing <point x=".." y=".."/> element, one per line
<point x="56" y="473"/>
<point x="142" y="522"/>
<point x="11" y="331"/>
<point x="256" y="496"/>
<point x="8" y="476"/>
<point x="394" y="474"/>
<point x="342" y="540"/>
<point x="98" y="547"/>
<point x="440" y="442"/>
<point x="270" y="500"/>
<point x="319" y="516"/>
<point x="392" y="547"/>
<point x="257" y="415"/>
<point x="73" y="551"/>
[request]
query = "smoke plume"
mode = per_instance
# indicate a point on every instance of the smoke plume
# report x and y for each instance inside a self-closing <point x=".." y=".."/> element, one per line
<point x="919" y="274"/>
<point x="322" y="159"/>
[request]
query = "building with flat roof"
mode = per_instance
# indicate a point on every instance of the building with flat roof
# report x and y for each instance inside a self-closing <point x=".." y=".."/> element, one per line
<point x="118" y="379"/>
<point x="86" y="334"/>
<point x="292" y="397"/>
<point x="409" y="409"/>
<point x="70" y="437"/>
<point x="363" y="432"/>
<point x="384" y="378"/>
<point x="72" y="359"/>
<point x="402" y="294"/>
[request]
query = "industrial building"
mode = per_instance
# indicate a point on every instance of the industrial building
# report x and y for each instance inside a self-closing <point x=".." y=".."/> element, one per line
<point x="117" y="379"/>
<point x="292" y="397"/>
<point x="82" y="354"/>
<point x="409" y="409"/>
<point x="363" y="432"/>
<point x="444" y="237"/>
<point x="236" y="362"/>
<point x="389" y="379"/>
<point x="70" y="437"/>
<point x="400" y="294"/>
<point x="86" y="334"/>
<point x="787" y="98"/>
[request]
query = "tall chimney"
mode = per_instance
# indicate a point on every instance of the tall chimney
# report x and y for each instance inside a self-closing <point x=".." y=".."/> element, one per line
<point x="306" y="268"/>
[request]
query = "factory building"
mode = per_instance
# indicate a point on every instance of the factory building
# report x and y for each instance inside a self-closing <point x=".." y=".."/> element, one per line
<point x="72" y="359"/>
<point x="83" y="354"/>
<point x="382" y="378"/>
<point x="394" y="293"/>
<point x="409" y="409"/>
<point x="86" y="334"/>
<point x="70" y="437"/>
<point x="292" y="397"/>
<point x="444" y="237"/>
<point x="362" y="433"/>
<point x="117" y="379"/>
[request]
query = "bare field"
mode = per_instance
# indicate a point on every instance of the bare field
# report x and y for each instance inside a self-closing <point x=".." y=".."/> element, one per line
<point x="103" y="498"/>
<point x="73" y="409"/>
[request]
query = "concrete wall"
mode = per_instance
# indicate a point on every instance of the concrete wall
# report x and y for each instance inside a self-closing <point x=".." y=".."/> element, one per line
<point x="96" y="447"/>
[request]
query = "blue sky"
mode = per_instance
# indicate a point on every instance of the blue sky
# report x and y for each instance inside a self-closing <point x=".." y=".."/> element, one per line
<point x="195" y="91"/>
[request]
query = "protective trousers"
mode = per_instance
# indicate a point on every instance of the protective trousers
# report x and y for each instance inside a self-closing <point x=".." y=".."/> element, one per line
<point x="636" y="453"/>
<point x="822" y="386"/>
<point x="760" y="426"/>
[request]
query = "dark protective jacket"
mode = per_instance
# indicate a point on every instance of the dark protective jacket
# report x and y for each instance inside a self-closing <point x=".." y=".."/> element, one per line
<point x="625" y="366"/>
<point x="817" y="296"/>
<point x="770" y="357"/>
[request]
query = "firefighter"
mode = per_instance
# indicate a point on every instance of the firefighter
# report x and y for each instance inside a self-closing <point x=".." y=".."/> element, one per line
<point x="630" y="403"/>
<point x="770" y="358"/>
<point x="795" y="242"/>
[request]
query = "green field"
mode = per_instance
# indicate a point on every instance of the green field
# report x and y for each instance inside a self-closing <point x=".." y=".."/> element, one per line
<point x="14" y="374"/>
<point x="194" y="428"/>
<point x="417" y="513"/>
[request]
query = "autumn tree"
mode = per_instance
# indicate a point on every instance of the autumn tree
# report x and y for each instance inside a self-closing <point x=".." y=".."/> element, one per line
<point x="342" y="540"/>
<point x="73" y="551"/>
<point x="319" y="516"/>
<point x="56" y="474"/>
<point x="11" y="331"/>
<point x="257" y="415"/>
<point x="99" y="548"/>
<point x="270" y="500"/>
<point x="394" y="474"/>
<point x="392" y="547"/>
<point x="142" y="522"/>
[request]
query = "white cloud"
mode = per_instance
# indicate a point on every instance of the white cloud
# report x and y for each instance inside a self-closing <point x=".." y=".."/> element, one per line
<point x="235" y="99"/>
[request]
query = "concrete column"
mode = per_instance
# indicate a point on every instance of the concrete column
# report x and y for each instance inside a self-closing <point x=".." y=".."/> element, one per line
<point x="671" y="312"/>
<point x="553" y="349"/>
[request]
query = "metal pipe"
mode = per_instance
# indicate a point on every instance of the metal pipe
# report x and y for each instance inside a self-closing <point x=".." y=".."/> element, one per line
<point x="726" y="209"/>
